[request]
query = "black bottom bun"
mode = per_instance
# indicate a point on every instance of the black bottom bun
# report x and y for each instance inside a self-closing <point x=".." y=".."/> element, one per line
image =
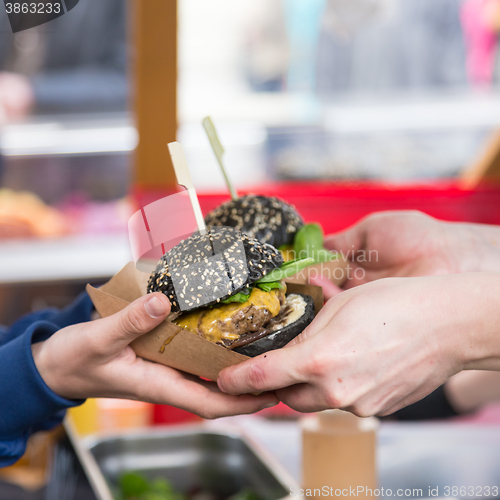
<point x="281" y="337"/>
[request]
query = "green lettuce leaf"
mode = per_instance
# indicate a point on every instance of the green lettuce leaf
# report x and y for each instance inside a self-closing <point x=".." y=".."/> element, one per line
<point x="238" y="297"/>
<point x="308" y="242"/>
<point x="267" y="287"/>
<point x="286" y="270"/>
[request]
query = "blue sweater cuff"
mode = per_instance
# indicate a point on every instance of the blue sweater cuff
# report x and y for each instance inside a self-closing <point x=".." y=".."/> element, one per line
<point x="12" y="450"/>
<point x="26" y="399"/>
<point x="77" y="312"/>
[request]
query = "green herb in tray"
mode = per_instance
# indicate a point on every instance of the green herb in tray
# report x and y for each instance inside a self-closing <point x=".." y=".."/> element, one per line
<point x="134" y="486"/>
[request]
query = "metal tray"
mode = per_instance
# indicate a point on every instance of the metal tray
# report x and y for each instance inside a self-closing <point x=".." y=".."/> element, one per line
<point x="191" y="457"/>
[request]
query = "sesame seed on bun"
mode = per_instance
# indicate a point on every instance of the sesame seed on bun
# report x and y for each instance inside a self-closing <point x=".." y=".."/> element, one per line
<point x="203" y="270"/>
<point x="268" y="219"/>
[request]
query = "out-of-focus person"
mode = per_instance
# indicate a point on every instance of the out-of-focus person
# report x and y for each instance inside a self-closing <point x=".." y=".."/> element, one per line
<point x="363" y="46"/>
<point x="465" y="393"/>
<point x="369" y="46"/>
<point x="490" y="17"/>
<point x="266" y="47"/>
<point x="478" y="20"/>
<point x="74" y="63"/>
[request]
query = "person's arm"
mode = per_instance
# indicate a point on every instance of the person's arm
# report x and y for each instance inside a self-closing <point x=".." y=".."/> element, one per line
<point x="435" y="406"/>
<point x="50" y="367"/>
<point x="381" y="346"/>
<point x="469" y="391"/>
<point x="79" y="311"/>
<point x="410" y="243"/>
<point x="463" y="394"/>
<point x="27" y="403"/>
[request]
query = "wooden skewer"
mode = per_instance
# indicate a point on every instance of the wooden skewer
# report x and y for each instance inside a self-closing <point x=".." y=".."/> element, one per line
<point x="184" y="179"/>
<point x="218" y="151"/>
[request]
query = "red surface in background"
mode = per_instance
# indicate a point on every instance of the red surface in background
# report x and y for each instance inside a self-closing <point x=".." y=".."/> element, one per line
<point x="338" y="205"/>
<point x="164" y="414"/>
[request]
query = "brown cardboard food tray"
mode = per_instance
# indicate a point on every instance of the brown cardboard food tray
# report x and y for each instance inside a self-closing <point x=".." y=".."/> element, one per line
<point x="169" y="344"/>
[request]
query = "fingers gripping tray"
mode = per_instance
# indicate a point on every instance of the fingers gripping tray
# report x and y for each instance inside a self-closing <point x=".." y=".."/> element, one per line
<point x="168" y="344"/>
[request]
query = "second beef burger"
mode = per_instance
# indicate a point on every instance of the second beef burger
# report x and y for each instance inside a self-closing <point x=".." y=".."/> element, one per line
<point x="228" y="288"/>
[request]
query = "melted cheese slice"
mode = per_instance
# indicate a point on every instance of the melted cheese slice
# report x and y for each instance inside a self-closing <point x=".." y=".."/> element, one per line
<point x="214" y="324"/>
<point x="288" y="253"/>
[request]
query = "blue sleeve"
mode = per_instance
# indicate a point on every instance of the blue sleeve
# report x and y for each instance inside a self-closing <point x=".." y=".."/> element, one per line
<point x="27" y="404"/>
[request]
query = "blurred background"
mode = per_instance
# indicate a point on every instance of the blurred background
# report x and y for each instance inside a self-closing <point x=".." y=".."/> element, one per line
<point x="389" y="92"/>
<point x="325" y="89"/>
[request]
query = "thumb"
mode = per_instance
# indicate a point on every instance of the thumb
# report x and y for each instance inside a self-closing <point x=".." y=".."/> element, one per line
<point x="267" y="372"/>
<point x="347" y="242"/>
<point x="138" y="318"/>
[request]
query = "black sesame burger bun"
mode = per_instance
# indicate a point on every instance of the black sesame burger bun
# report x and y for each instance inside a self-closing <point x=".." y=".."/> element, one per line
<point x="282" y="335"/>
<point x="265" y="218"/>
<point x="203" y="270"/>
